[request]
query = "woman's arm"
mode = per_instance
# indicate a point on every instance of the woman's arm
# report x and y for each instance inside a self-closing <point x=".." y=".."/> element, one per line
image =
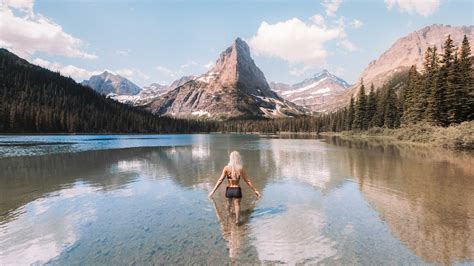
<point x="219" y="182"/>
<point x="247" y="180"/>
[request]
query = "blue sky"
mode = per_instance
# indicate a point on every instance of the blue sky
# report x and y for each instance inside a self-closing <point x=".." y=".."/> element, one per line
<point x="159" y="41"/>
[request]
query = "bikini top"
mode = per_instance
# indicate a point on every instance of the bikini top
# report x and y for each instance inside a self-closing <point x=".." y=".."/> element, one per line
<point x="233" y="182"/>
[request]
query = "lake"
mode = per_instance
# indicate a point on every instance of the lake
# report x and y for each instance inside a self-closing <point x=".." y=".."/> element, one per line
<point x="142" y="199"/>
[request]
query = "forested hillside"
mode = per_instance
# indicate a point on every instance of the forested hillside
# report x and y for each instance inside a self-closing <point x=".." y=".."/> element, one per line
<point x="441" y="94"/>
<point x="36" y="100"/>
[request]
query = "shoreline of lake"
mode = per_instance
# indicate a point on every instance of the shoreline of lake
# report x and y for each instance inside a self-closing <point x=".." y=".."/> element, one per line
<point x="457" y="137"/>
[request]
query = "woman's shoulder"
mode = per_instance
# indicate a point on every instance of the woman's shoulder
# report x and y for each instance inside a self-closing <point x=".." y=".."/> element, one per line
<point x="227" y="169"/>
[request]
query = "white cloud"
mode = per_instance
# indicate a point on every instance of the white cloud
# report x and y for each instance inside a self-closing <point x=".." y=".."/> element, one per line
<point x="23" y="5"/>
<point x="26" y="33"/>
<point x="303" y="44"/>
<point x="125" y="72"/>
<point x="318" y="20"/>
<point x="331" y="6"/>
<point x="142" y="75"/>
<point x="190" y="67"/>
<point x="74" y="72"/>
<point x="355" y="23"/>
<point x="421" y="7"/>
<point x="300" y="71"/>
<point x="80" y="74"/>
<point x="188" y="64"/>
<point x="347" y="45"/>
<point x="166" y="71"/>
<point x="131" y="73"/>
<point x="294" y="41"/>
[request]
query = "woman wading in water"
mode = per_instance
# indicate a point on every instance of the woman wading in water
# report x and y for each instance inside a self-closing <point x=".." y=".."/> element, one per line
<point x="234" y="171"/>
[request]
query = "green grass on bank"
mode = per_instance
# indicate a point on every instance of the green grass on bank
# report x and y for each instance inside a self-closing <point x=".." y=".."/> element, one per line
<point x="460" y="137"/>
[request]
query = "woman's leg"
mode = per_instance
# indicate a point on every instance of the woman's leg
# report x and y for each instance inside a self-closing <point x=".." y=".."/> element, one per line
<point x="229" y="205"/>
<point x="237" y="209"/>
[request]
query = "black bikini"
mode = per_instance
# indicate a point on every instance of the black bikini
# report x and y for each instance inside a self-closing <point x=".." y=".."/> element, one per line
<point x="233" y="192"/>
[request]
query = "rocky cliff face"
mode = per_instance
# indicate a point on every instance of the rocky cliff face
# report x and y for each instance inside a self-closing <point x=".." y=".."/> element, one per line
<point x="180" y="82"/>
<point x="313" y="92"/>
<point x="410" y="50"/>
<point x="153" y="90"/>
<point x="107" y="83"/>
<point x="404" y="53"/>
<point x="234" y="87"/>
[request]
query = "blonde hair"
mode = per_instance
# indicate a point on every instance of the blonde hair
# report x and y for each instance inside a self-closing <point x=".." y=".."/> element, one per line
<point x="235" y="164"/>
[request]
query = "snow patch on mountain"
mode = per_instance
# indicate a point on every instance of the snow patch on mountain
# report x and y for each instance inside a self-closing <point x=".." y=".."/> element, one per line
<point x="313" y="91"/>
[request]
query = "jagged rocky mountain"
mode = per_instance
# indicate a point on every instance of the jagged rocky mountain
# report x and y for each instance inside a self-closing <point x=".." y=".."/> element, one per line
<point x="108" y="82"/>
<point x="150" y="92"/>
<point x="234" y="88"/>
<point x="146" y="94"/>
<point x="313" y="92"/>
<point x="180" y="82"/>
<point x="153" y="89"/>
<point x="404" y="53"/>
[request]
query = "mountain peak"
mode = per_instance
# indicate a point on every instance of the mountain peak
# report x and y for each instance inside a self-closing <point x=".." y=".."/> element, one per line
<point x="108" y="82"/>
<point x="106" y="73"/>
<point x="325" y="72"/>
<point x="313" y="92"/>
<point x="239" y="41"/>
<point x="236" y="68"/>
<point x="239" y="50"/>
<point x="241" y="46"/>
<point x="322" y="74"/>
<point x="234" y="87"/>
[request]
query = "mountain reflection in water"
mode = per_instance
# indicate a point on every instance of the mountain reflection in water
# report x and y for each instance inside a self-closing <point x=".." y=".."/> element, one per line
<point x="324" y="201"/>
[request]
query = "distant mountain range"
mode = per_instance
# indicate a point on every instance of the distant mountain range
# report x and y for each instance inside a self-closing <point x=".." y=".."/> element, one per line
<point x="313" y="92"/>
<point x="149" y="93"/>
<point x="108" y="82"/>
<point x="234" y="88"/>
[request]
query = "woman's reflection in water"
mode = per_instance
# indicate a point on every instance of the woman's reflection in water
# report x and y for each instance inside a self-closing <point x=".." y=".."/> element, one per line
<point x="232" y="232"/>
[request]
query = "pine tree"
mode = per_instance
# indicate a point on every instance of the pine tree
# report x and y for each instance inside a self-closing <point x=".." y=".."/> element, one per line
<point x="379" y="117"/>
<point x="350" y="115"/>
<point x="455" y="100"/>
<point x="371" y="106"/>
<point x="467" y="80"/>
<point x="391" y="111"/>
<point x="424" y="84"/>
<point x="360" y="122"/>
<point x="440" y="95"/>
<point x="431" y="87"/>
<point x="410" y="113"/>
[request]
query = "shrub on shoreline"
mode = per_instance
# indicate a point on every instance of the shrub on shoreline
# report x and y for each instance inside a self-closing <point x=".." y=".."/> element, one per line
<point x="460" y="136"/>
